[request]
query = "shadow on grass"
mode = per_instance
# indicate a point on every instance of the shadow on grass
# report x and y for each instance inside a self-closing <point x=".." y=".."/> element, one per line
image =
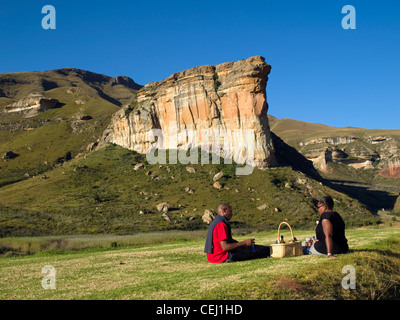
<point x="373" y="200"/>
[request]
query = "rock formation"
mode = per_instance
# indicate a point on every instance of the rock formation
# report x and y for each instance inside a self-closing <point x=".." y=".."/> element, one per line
<point x="321" y="157"/>
<point x="208" y="216"/>
<point x="360" y="153"/>
<point x="126" y="81"/>
<point x="32" y="105"/>
<point x="329" y="140"/>
<point x="359" y="148"/>
<point x="222" y="109"/>
<point x="390" y="168"/>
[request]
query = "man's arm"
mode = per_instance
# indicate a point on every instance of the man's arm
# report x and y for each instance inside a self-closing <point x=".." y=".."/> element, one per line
<point x="232" y="246"/>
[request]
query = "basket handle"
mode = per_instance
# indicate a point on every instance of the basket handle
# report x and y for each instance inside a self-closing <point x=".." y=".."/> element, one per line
<point x="279" y="229"/>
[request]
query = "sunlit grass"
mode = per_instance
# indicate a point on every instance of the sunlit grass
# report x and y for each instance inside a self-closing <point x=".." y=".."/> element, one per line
<point x="179" y="270"/>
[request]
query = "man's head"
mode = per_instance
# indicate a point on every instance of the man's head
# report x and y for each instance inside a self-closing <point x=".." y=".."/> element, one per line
<point x="325" y="204"/>
<point x="225" y="210"/>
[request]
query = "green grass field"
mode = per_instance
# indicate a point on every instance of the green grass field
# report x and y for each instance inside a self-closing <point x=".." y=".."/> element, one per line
<point x="177" y="268"/>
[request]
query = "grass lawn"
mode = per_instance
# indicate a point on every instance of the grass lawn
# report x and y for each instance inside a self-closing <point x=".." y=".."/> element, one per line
<point x="178" y="269"/>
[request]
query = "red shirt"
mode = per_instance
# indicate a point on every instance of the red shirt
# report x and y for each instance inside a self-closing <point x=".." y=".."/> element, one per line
<point x="220" y="233"/>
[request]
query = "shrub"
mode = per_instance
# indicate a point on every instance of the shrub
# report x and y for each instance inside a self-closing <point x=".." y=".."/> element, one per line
<point x="217" y="83"/>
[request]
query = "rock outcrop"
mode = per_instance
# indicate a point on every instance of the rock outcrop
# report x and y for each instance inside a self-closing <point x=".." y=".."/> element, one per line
<point x="222" y="109"/>
<point x="360" y="153"/>
<point x="329" y="140"/>
<point x="359" y="148"/>
<point x="390" y="168"/>
<point x="208" y="216"/>
<point x="32" y="105"/>
<point x="321" y="157"/>
<point x="126" y="81"/>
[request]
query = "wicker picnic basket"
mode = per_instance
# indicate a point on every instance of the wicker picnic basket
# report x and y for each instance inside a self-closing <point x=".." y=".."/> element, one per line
<point x="290" y="248"/>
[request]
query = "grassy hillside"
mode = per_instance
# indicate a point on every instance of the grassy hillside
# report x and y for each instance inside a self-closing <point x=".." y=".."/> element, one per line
<point x="179" y="270"/>
<point x="101" y="192"/>
<point x="295" y="131"/>
<point x="16" y="86"/>
<point x="47" y="139"/>
<point x="380" y="146"/>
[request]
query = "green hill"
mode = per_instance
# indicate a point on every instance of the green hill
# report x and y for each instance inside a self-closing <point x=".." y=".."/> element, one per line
<point x="294" y="132"/>
<point x="101" y="192"/>
<point x="86" y="101"/>
<point x="364" y="163"/>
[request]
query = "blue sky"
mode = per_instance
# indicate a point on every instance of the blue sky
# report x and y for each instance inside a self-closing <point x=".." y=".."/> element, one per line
<point x="320" y="72"/>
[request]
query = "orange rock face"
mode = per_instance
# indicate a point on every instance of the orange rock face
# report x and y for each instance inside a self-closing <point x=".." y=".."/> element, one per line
<point x="222" y="109"/>
<point x="391" y="172"/>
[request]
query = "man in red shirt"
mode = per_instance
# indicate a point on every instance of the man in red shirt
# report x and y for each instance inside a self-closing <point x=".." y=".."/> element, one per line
<point x="221" y="247"/>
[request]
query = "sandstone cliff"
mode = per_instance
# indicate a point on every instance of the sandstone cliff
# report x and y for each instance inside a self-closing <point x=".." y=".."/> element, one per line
<point x="228" y="100"/>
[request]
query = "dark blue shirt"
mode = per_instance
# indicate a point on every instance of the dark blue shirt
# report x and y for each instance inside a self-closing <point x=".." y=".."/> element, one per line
<point x="339" y="241"/>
